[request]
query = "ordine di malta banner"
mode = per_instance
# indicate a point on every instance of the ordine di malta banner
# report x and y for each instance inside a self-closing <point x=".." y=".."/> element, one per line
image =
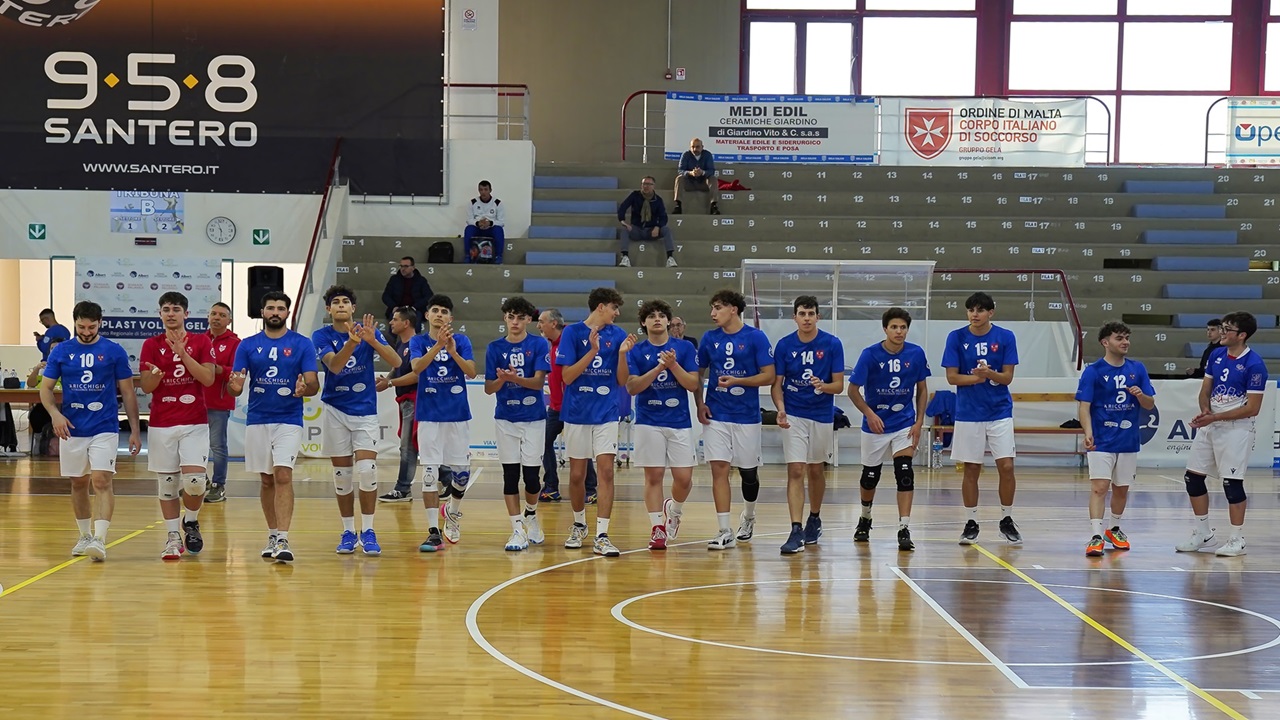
<point x="982" y="131"/>
<point x="773" y="128"/>
<point x="221" y="95"/>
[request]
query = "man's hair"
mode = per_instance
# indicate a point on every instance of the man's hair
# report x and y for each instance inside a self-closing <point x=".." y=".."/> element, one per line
<point x="46" y="311"/>
<point x="555" y="316"/>
<point x="805" y="301"/>
<point x="410" y="259"/>
<point x="87" y="310"/>
<point x="1245" y="322"/>
<point x="222" y="305"/>
<point x="895" y="313"/>
<point x="407" y="314"/>
<point x="337" y="291"/>
<point x="650" y="178"/>
<point x="981" y="301"/>
<point x="55" y="340"/>
<point x="173" y="298"/>
<point x="519" y="306"/>
<point x="440" y="301"/>
<point x="485" y="183"/>
<point x="277" y="296"/>
<point x="603" y="296"/>
<point x="650" y="307"/>
<point x="730" y="297"/>
<point x="1115" y="327"/>
<point x="1215" y="322"/>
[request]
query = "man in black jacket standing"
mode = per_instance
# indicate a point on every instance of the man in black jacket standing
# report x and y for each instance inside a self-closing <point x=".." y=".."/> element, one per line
<point x="644" y="217"/>
<point x="1213" y="330"/>
<point x="407" y="287"/>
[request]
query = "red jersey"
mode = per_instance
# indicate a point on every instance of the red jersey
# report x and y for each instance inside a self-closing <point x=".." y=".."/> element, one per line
<point x="555" y="381"/>
<point x="179" y="399"/>
<point x="216" y="396"/>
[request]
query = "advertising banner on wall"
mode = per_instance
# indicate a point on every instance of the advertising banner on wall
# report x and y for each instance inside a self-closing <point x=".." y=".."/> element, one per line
<point x="1253" y="135"/>
<point x="222" y="95"/>
<point x="773" y="128"/>
<point x="981" y="132"/>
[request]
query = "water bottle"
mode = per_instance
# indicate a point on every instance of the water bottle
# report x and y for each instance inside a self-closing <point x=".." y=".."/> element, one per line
<point x="937" y="453"/>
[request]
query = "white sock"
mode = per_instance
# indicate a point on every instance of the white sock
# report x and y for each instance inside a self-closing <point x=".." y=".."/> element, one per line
<point x="100" y="529"/>
<point x="174" y="525"/>
<point x="723" y="520"/>
<point x="282" y="535"/>
<point x="452" y="505"/>
<point x="866" y="512"/>
<point x="1115" y="519"/>
<point x="602" y="526"/>
<point x="904" y="521"/>
<point x="84" y="526"/>
<point x="655" y="519"/>
<point x="1237" y="532"/>
<point x="272" y="532"/>
<point x="1097" y="526"/>
<point x="677" y="507"/>
<point x="1202" y="523"/>
<point x="189" y="515"/>
<point x="1006" y="511"/>
<point x="515" y="523"/>
<point x="749" y="509"/>
<point x="580" y="517"/>
<point x="433" y="518"/>
<point x="366" y="521"/>
<point x="349" y="524"/>
<point x="973" y="513"/>
<point x="530" y="509"/>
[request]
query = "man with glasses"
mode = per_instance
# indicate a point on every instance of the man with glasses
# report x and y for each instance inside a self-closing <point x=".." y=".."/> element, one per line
<point x="407" y="287"/>
<point x="697" y="174"/>
<point x="677" y="330"/>
<point x="643" y="217"/>
<point x="1230" y="398"/>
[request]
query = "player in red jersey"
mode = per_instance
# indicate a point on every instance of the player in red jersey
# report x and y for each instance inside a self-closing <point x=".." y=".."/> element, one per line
<point x="176" y="367"/>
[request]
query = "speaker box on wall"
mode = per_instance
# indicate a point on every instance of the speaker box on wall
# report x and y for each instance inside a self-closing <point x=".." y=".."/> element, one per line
<point x="262" y="280"/>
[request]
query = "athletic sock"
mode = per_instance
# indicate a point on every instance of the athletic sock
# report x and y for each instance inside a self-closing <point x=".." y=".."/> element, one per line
<point x="866" y="509"/>
<point x="282" y="535"/>
<point x="1097" y="527"/>
<point x="1115" y="519"/>
<point x="1006" y="511"/>
<point x="602" y="526"/>
<point x="655" y="519"/>
<point x="1237" y="532"/>
<point x="189" y="515"/>
<point x="530" y="510"/>
<point x="84" y="526"/>
<point x="676" y="506"/>
<point x="366" y="521"/>
<point x="1202" y="523"/>
<point x="433" y="518"/>
<point x="580" y="517"/>
<point x="100" y="529"/>
<point x="515" y="522"/>
<point x="722" y="519"/>
<point x="904" y="521"/>
<point x="973" y="513"/>
<point x="272" y="532"/>
<point x="750" y="508"/>
<point x="349" y="524"/>
<point x="174" y="525"/>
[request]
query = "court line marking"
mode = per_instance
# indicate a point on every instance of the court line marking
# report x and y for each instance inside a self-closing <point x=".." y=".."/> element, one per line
<point x="961" y="629"/>
<point x="1180" y="481"/>
<point x="1251" y="695"/>
<point x="1111" y="569"/>
<point x="68" y="563"/>
<point x="1185" y="683"/>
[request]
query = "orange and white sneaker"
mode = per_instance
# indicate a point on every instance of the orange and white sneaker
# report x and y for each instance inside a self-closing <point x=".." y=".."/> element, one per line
<point x="1117" y="538"/>
<point x="658" y="540"/>
<point x="1094" y="548"/>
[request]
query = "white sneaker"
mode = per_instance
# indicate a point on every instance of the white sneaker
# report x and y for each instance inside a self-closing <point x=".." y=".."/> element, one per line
<point x="518" y="540"/>
<point x="172" y="547"/>
<point x="673" y="519"/>
<point x="1196" y="541"/>
<point x="602" y="546"/>
<point x="577" y="534"/>
<point x="82" y="545"/>
<point x="723" y="541"/>
<point x="1233" y="548"/>
<point x="452" y="531"/>
<point x="625" y="261"/>
<point x="671" y="262"/>
<point x="533" y="529"/>
<point x="269" y="551"/>
<point x="747" y="528"/>
<point x="96" y="549"/>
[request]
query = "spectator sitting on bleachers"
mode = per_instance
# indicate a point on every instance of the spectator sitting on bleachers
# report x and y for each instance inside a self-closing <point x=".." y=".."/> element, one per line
<point x="697" y="173"/>
<point x="1212" y="329"/>
<point x="407" y="287"/>
<point x="677" y="331"/>
<point x="484" y="239"/>
<point x="643" y="217"/>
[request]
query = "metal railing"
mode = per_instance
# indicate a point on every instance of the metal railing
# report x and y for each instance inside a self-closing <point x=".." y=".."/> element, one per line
<point x="1060" y="286"/>
<point x="506" y="121"/>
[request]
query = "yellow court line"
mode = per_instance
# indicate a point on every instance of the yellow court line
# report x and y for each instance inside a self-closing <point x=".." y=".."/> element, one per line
<point x="1203" y="695"/>
<point x="15" y="588"/>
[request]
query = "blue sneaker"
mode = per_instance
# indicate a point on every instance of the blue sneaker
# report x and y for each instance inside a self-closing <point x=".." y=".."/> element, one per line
<point x="794" y="543"/>
<point x="347" y="545"/>
<point x="812" y="530"/>
<point x="369" y="543"/>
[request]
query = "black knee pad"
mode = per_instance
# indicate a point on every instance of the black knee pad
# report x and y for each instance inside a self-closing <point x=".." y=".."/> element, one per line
<point x="531" y="484"/>
<point x="1195" y="484"/>
<point x="511" y="478"/>
<point x="870" y="477"/>
<point x="904" y="474"/>
<point x="1235" y="490"/>
<point x="750" y="483"/>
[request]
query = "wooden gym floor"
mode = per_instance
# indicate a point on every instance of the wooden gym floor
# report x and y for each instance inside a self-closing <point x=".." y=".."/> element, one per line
<point x="839" y="631"/>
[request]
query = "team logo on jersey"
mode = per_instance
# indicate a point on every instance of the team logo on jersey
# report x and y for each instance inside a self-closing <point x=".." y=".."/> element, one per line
<point x="906" y="364"/>
<point x="259" y="350"/>
<point x="966" y="346"/>
<point x="1256" y="378"/>
<point x="793" y="353"/>
<point x="927" y="131"/>
<point x="101" y="358"/>
<point x="717" y="346"/>
<point x="995" y="347"/>
<point x="742" y="346"/>
<point x="288" y="352"/>
<point x="819" y="354"/>
<point x="1239" y="367"/>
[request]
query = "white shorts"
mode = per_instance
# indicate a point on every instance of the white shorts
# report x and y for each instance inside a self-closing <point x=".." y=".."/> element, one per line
<point x="521" y="442"/>
<point x="1120" y="468"/>
<point x="171" y="448"/>
<point x="971" y="440"/>
<point x="663" y="447"/>
<point x="1222" y="449"/>
<point x="444" y="443"/>
<point x="880" y="449"/>
<point x="78" y="456"/>
<point x="267" y="447"/>
<point x="587" y="442"/>
<point x="344" y="434"/>
<point x="735" y="443"/>
<point x="808" y="441"/>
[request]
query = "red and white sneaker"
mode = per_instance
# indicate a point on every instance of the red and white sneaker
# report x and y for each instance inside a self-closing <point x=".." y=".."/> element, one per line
<point x="658" y="540"/>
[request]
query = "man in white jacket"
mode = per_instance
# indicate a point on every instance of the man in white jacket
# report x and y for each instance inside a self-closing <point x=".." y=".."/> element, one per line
<point x="483" y="240"/>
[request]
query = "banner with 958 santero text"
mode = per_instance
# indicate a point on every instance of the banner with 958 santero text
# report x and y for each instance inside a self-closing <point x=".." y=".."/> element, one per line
<point x="773" y="128"/>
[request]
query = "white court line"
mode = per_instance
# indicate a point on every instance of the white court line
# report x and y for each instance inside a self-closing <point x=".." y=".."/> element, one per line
<point x="1038" y="567"/>
<point x="977" y="644"/>
<point x="1180" y="481"/>
<point x="1175" y="567"/>
<point x="1251" y="695"/>
<point x="1103" y="569"/>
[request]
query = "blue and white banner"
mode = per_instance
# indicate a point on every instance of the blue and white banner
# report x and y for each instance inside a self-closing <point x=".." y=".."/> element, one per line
<point x="774" y="128"/>
<point x="1253" y="135"/>
<point x="982" y="132"/>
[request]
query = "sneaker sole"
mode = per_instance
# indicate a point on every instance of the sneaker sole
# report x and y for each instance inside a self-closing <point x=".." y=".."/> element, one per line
<point x="607" y="554"/>
<point x="96" y="554"/>
<point x="283" y="560"/>
<point x="169" y="558"/>
<point x="515" y="548"/>
<point x="1230" y="554"/>
<point x="428" y="548"/>
<point x="721" y="547"/>
<point x="968" y="541"/>
<point x="344" y="551"/>
<point x="862" y="538"/>
<point x="797" y="551"/>
<point x="657" y="547"/>
<point x="1012" y="541"/>
<point x="397" y="500"/>
<point x="906" y="548"/>
<point x="370" y="553"/>
<point x="1207" y="542"/>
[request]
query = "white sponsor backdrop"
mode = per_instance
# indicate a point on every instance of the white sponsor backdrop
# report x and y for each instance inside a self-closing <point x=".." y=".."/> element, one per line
<point x="982" y="131"/>
<point x="773" y="128"/>
<point x="1253" y="134"/>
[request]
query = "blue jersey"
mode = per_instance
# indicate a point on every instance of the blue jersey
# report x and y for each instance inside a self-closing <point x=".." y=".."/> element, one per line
<point x="589" y="399"/>
<point x="89" y="375"/>
<point x="888" y="383"/>
<point x="741" y="354"/>
<point x="798" y="362"/>
<point x="665" y="403"/>
<point x="986" y="401"/>
<point x="442" y="388"/>
<point x="51" y="333"/>
<point x="274" y="366"/>
<point x="1116" y="415"/>
<point x="1233" y="378"/>
<point x="352" y="390"/>
<point x="527" y="357"/>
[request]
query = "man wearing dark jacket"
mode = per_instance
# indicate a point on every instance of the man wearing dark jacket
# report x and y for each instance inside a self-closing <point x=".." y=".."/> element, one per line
<point x="644" y="217"/>
<point x="1213" y="330"/>
<point x="407" y="288"/>
<point x="697" y="172"/>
